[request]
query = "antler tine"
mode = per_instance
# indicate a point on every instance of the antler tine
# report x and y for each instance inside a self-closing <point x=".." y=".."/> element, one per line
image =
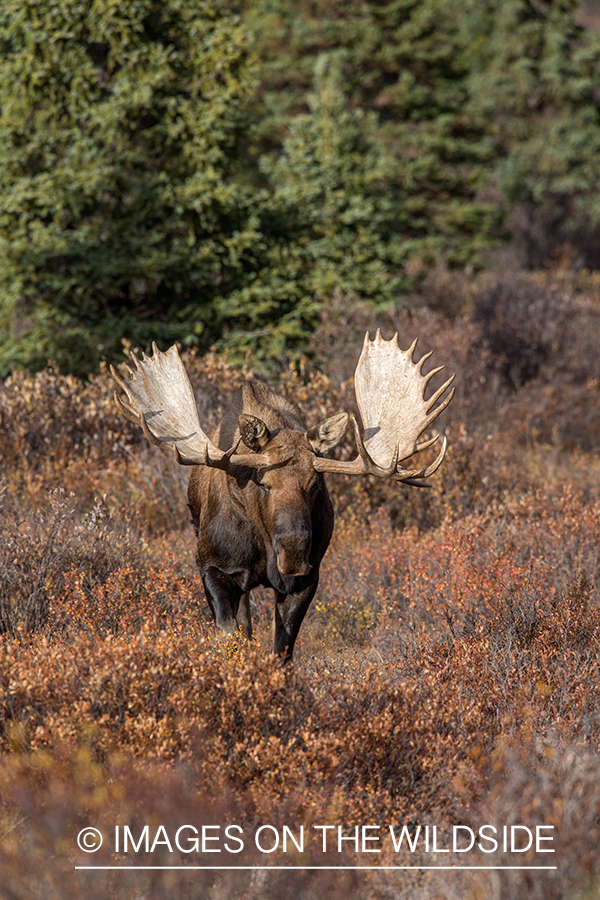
<point x="192" y="461"/>
<point x="360" y="444"/>
<point x="164" y="443"/>
<point x="428" y="470"/>
<point x="436" y="396"/>
<point x="427" y="378"/>
<point x="423" y="445"/>
<point x="121" y="404"/>
<point x="424" y="359"/>
<point x="439" y="409"/>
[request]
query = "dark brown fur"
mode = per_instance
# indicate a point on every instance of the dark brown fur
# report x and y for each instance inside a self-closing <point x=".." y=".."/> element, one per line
<point x="268" y="526"/>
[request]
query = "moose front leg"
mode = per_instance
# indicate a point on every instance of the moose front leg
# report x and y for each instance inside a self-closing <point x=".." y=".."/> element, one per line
<point x="244" y="617"/>
<point x="290" y="610"/>
<point x="223" y="596"/>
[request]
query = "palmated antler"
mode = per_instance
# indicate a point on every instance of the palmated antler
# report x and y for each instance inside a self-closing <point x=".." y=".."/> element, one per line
<point x="159" y="398"/>
<point x="389" y="389"/>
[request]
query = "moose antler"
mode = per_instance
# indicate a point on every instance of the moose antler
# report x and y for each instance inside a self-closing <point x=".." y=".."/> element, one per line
<point x="389" y="389"/>
<point x="159" y="397"/>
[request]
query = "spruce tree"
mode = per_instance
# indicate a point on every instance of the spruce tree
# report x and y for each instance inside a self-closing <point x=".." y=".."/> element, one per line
<point x="123" y="213"/>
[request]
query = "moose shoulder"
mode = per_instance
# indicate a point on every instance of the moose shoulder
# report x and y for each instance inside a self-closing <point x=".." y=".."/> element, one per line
<point x="263" y="516"/>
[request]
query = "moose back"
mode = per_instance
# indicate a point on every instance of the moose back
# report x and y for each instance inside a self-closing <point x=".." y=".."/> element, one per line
<point x="257" y="491"/>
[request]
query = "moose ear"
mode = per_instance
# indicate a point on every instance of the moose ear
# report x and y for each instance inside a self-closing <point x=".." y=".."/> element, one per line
<point x="328" y="434"/>
<point x="253" y="432"/>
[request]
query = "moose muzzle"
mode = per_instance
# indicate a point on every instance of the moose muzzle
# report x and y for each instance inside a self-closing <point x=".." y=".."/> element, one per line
<point x="292" y="556"/>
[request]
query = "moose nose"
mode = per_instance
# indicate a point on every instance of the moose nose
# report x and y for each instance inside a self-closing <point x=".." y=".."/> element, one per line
<point x="292" y="552"/>
<point x="291" y="564"/>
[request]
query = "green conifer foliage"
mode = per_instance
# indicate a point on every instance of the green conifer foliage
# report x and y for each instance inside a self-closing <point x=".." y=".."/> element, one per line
<point x="405" y="67"/>
<point x="212" y="172"/>
<point x="484" y="109"/>
<point x="121" y="210"/>
<point x="333" y="224"/>
<point x="333" y="178"/>
<point x="536" y="79"/>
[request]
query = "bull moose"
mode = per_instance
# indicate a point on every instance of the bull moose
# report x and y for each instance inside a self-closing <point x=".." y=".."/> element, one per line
<point x="263" y="516"/>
